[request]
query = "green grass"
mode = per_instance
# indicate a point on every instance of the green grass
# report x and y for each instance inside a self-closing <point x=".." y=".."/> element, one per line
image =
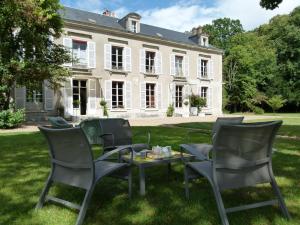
<point x="24" y="167"/>
<point x="290" y="127"/>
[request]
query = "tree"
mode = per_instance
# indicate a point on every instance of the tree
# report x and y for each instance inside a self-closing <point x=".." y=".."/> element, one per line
<point x="276" y="102"/>
<point x="27" y="54"/>
<point x="221" y="31"/>
<point x="270" y="4"/>
<point x="249" y="68"/>
<point x="283" y="33"/>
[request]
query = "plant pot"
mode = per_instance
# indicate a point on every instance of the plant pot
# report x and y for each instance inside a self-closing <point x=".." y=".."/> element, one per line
<point x="194" y="111"/>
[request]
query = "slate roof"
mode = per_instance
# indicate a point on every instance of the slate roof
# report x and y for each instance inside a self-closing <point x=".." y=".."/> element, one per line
<point x="112" y="22"/>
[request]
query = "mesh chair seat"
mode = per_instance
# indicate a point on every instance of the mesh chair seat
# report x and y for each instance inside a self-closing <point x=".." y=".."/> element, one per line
<point x="204" y="167"/>
<point x="59" y="122"/>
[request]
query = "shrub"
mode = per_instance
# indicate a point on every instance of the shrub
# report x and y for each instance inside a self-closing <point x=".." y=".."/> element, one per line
<point x="170" y="111"/>
<point x="197" y="101"/>
<point x="258" y="110"/>
<point x="103" y="103"/>
<point x="11" y="119"/>
<point x="276" y="102"/>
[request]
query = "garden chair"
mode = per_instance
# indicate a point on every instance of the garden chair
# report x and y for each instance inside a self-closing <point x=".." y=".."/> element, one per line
<point x="241" y="157"/>
<point x="59" y="122"/>
<point x="117" y="132"/>
<point x="72" y="164"/>
<point x="201" y="151"/>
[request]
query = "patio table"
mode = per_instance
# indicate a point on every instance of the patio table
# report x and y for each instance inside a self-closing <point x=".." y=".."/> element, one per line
<point x="151" y="160"/>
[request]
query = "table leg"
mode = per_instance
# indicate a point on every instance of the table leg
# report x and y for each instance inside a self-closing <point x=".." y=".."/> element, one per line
<point x="142" y="181"/>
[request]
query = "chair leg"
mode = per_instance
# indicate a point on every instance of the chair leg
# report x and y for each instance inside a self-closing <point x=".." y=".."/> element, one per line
<point x="220" y="204"/>
<point x="44" y="193"/>
<point x="186" y="182"/>
<point x="84" y="206"/>
<point x="282" y="204"/>
<point x="130" y="183"/>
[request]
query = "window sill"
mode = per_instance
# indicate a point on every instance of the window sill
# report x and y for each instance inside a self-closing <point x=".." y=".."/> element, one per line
<point x="180" y="78"/>
<point x="205" y="78"/>
<point x="150" y="75"/>
<point x="151" y="109"/>
<point x="122" y="72"/>
<point x="118" y="110"/>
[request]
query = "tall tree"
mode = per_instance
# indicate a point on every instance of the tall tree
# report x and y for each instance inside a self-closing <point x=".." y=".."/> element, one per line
<point x="249" y="68"/>
<point x="283" y="33"/>
<point x="221" y="30"/>
<point x="270" y="4"/>
<point x="27" y="53"/>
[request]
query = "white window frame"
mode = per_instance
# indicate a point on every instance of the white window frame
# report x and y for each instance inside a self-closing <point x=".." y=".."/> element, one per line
<point x="37" y="95"/>
<point x="79" y="54"/>
<point x="202" y="72"/>
<point x="179" y="70"/>
<point x="117" y="96"/>
<point x="154" y="95"/>
<point x="206" y="94"/>
<point x="177" y="97"/>
<point x="117" y="57"/>
<point x="133" y="26"/>
<point x="152" y="68"/>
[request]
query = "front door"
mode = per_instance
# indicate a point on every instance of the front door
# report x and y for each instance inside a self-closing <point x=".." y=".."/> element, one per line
<point x="80" y="96"/>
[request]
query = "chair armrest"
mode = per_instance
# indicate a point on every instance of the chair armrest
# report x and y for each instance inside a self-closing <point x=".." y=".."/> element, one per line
<point x="102" y="136"/>
<point x="117" y="150"/>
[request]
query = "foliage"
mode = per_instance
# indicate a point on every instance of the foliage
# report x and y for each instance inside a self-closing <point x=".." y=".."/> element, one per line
<point x="103" y="103"/>
<point x="11" y="119"/>
<point x="276" y="102"/>
<point x="197" y="101"/>
<point x="221" y="30"/>
<point x="249" y="69"/>
<point x="170" y="110"/>
<point x="27" y="54"/>
<point x="283" y="33"/>
<point x="258" y="110"/>
<point x="270" y="4"/>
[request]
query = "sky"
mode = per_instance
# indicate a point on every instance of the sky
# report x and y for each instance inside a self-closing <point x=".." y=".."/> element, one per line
<point x="183" y="15"/>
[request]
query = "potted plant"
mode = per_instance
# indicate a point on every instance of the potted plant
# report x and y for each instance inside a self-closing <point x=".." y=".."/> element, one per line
<point x="197" y="103"/>
<point x="170" y="111"/>
<point x="103" y="103"/>
<point x="201" y="104"/>
<point x="186" y="108"/>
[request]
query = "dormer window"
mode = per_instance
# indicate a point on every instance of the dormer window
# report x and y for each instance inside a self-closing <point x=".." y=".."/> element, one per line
<point x="204" y="41"/>
<point x="133" y="27"/>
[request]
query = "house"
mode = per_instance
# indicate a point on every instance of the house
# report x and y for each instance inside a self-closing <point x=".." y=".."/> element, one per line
<point x="138" y="69"/>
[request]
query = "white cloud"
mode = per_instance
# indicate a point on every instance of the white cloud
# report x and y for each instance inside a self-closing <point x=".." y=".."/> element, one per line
<point x="185" y="15"/>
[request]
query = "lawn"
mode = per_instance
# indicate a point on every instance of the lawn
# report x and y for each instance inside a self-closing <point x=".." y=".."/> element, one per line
<point x="24" y="167"/>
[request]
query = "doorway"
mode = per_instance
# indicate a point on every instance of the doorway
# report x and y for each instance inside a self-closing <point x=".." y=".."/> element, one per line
<point x="80" y="96"/>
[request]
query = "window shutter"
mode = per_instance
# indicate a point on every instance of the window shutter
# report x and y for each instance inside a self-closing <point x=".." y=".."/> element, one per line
<point x="107" y="56"/>
<point x="199" y="67"/>
<point x="172" y="94"/>
<point x="158" y="96"/>
<point x="92" y="97"/>
<point x="209" y="97"/>
<point x="158" y="63"/>
<point x="128" y="95"/>
<point x="68" y="98"/>
<point x="172" y="65"/>
<point x="108" y="88"/>
<point x="186" y="66"/>
<point x="48" y="96"/>
<point x="68" y="44"/>
<point x="127" y="59"/>
<point x="20" y="97"/>
<point x="91" y="54"/>
<point x="142" y="61"/>
<point x="211" y="69"/>
<point x="186" y="91"/>
<point x="143" y="95"/>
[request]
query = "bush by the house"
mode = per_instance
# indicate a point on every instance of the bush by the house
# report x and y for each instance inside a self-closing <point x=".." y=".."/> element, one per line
<point x="170" y="111"/>
<point x="11" y="119"/>
<point x="197" y="101"/>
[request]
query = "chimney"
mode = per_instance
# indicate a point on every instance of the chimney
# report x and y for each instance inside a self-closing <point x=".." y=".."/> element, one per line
<point x="197" y="31"/>
<point x="199" y="36"/>
<point x="107" y="12"/>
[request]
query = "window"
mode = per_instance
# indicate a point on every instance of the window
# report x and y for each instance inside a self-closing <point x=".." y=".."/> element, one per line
<point x="204" y="68"/>
<point x="150" y="56"/>
<point x="133" y="27"/>
<point x="79" y="94"/>
<point x="178" y="96"/>
<point x="178" y="65"/>
<point x="79" y="51"/>
<point x="204" y="41"/>
<point x="150" y="95"/>
<point x="117" y="94"/>
<point x="34" y="94"/>
<point x="117" y="58"/>
<point x="203" y="93"/>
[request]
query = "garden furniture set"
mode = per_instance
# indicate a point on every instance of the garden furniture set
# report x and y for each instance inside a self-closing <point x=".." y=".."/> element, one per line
<point x="240" y="155"/>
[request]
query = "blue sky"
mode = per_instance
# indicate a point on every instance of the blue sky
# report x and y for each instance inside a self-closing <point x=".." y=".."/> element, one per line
<point x="183" y="15"/>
